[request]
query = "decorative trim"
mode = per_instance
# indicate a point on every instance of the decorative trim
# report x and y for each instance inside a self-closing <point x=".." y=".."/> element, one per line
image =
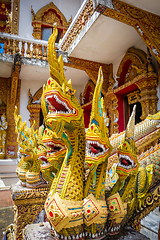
<point x="92" y="68"/>
<point x="82" y="19"/>
<point x="15" y="17"/>
<point x="47" y="16"/>
<point x="27" y="205"/>
<point x="34" y="106"/>
<point x="134" y="70"/>
<point x="145" y="23"/>
<point x="133" y="97"/>
<point x="137" y="61"/>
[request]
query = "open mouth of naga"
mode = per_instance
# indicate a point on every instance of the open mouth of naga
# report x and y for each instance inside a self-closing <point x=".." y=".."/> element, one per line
<point x="58" y="105"/>
<point x="126" y="162"/>
<point x="44" y="160"/>
<point x="95" y="149"/>
<point x="53" y="148"/>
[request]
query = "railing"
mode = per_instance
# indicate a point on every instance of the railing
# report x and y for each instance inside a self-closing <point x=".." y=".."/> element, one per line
<point x="30" y="48"/>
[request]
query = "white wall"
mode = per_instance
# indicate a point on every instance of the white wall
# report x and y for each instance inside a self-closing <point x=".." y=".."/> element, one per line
<point x="67" y="7"/>
<point x="141" y="45"/>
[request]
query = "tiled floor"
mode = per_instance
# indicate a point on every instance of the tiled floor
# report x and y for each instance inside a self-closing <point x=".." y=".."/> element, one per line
<point x="6" y="218"/>
<point x="5" y="199"/>
<point x="6" y="211"/>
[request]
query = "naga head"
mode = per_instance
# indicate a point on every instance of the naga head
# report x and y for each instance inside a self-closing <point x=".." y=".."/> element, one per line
<point x="98" y="147"/>
<point x="127" y="151"/>
<point x="56" y="148"/>
<point x="58" y="99"/>
<point x="27" y="138"/>
<point x="42" y="149"/>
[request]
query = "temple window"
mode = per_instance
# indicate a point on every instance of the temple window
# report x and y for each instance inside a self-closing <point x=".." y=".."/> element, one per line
<point x="47" y="31"/>
<point x="44" y="19"/>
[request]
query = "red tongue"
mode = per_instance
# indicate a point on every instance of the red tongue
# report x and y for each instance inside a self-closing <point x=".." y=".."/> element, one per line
<point x="94" y="150"/>
<point x="125" y="162"/>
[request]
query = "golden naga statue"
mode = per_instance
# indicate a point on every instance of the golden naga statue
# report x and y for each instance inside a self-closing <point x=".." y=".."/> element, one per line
<point x="64" y="116"/>
<point x="29" y="166"/>
<point x="3" y="129"/>
<point x="98" y="149"/>
<point x="77" y="208"/>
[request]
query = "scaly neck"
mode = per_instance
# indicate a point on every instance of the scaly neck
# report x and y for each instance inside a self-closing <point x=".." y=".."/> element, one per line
<point x="71" y="173"/>
<point x="97" y="189"/>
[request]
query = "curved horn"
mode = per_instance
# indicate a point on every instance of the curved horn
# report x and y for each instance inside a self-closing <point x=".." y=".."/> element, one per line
<point x="96" y="104"/>
<point x="129" y="134"/>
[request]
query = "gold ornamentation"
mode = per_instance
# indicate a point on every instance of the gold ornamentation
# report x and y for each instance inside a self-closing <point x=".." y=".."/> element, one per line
<point x="64" y="213"/>
<point x="95" y="211"/>
<point x="3" y="128"/>
<point x="147" y="84"/>
<point x="11" y="144"/>
<point x="92" y="68"/>
<point x="117" y="208"/>
<point x="15" y="17"/>
<point x="133" y="97"/>
<point x="135" y="65"/>
<point x="145" y="23"/>
<point x="133" y="57"/>
<point x="48" y="15"/>
<point x="111" y="103"/>
<point x="64" y="116"/>
<point x="76" y="29"/>
<point x="34" y="108"/>
<point x="27" y="206"/>
<point x="98" y="149"/>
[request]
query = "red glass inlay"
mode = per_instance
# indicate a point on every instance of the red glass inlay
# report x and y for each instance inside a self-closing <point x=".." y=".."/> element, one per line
<point x="51" y="214"/>
<point x="49" y="81"/>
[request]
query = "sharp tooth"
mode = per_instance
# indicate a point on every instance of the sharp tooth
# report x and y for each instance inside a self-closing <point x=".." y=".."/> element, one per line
<point x="73" y="110"/>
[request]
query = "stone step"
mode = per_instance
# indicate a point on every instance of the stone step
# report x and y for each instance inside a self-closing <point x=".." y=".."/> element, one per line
<point x="8" y="182"/>
<point x="150" y="224"/>
<point x="8" y="175"/>
<point x="8" y="165"/>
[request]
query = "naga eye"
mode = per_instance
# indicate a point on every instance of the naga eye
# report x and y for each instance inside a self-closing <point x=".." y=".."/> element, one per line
<point x="70" y="91"/>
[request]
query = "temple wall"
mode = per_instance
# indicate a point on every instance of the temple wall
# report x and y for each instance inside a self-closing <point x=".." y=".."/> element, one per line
<point x="141" y="45"/>
<point x="68" y="8"/>
<point x="25" y="86"/>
